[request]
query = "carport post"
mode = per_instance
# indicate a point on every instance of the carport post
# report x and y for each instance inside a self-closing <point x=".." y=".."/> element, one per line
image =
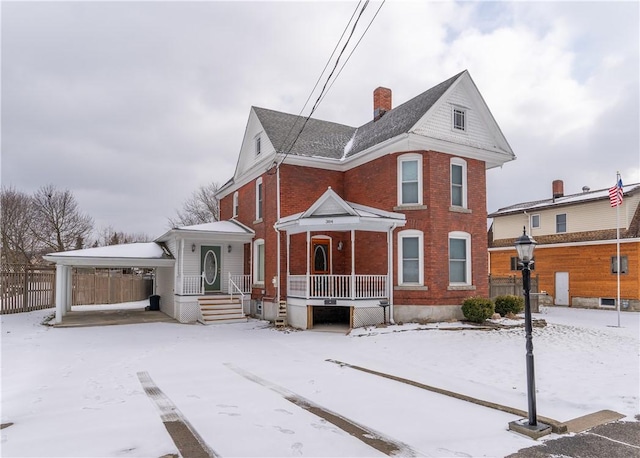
<point x="63" y="282"/>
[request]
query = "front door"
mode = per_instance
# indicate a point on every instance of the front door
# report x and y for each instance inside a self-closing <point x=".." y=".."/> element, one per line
<point x="562" y="288"/>
<point x="321" y="260"/>
<point x="211" y="266"/>
<point x="321" y="266"/>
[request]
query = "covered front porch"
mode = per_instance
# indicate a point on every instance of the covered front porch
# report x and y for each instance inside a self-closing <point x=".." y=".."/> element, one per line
<point x="339" y="256"/>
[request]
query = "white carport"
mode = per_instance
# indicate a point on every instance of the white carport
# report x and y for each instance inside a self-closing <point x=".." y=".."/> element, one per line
<point x="131" y="255"/>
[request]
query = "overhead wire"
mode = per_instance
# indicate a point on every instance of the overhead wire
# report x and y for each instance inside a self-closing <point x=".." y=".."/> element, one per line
<point x="346" y="27"/>
<point x="326" y="87"/>
<point x="354" y="48"/>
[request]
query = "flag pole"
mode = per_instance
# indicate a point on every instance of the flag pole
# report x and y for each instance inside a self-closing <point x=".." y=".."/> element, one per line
<point x="618" y="248"/>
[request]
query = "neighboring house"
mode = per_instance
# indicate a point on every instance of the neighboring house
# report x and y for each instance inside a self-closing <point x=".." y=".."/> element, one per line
<point x="576" y="255"/>
<point x="393" y="211"/>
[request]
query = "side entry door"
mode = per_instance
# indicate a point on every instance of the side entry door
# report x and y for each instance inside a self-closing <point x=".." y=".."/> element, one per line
<point x="211" y="265"/>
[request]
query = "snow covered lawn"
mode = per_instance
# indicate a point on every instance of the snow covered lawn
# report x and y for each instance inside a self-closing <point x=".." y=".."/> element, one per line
<point x="74" y="392"/>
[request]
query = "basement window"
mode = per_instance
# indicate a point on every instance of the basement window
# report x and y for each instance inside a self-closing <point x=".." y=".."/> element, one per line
<point x="607" y="302"/>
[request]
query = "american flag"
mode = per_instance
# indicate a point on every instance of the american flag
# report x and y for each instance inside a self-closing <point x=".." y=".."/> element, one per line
<point x="615" y="194"/>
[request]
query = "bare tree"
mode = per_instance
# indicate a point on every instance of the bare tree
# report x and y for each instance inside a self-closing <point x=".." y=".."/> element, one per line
<point x="19" y="246"/>
<point x="201" y="207"/>
<point x="109" y="236"/>
<point x="58" y="222"/>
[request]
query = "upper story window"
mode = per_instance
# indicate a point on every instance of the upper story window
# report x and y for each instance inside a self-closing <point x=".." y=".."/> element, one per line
<point x="459" y="258"/>
<point x="411" y="257"/>
<point x="258" y="261"/>
<point x="458" y="182"/>
<point x="535" y="221"/>
<point x="561" y="223"/>
<point x="258" y="145"/>
<point x="459" y="118"/>
<point x="259" y="198"/>
<point x="235" y="203"/>
<point x="410" y="179"/>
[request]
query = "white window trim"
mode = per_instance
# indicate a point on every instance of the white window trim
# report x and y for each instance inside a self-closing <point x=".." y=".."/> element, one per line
<point x="256" y="244"/>
<point x="566" y="228"/>
<point x="235" y="204"/>
<point x="420" y="235"/>
<point x="258" y="206"/>
<point x="462" y="163"/>
<point x="539" y="221"/>
<point x="464" y="112"/>
<point x="405" y="158"/>
<point x="467" y="237"/>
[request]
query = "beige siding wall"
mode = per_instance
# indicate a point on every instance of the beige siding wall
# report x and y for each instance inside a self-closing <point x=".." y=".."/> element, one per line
<point x="591" y="216"/>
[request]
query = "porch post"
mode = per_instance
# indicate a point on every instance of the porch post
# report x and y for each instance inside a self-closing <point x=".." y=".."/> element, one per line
<point x="353" y="264"/>
<point x="390" y="271"/>
<point x="308" y="251"/>
<point x="68" y="287"/>
<point x="60" y="285"/>
<point x="288" y="260"/>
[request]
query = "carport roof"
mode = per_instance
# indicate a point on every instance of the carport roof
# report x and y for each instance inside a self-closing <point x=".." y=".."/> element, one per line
<point x="141" y="254"/>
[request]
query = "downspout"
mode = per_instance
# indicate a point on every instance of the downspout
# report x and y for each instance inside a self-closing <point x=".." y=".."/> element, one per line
<point x="277" y="235"/>
<point x="390" y="270"/>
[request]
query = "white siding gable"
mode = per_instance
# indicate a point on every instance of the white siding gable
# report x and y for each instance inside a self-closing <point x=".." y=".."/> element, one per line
<point x="247" y="158"/>
<point x="481" y="130"/>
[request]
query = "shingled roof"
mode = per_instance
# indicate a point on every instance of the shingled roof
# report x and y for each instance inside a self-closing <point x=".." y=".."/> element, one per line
<point x="337" y="141"/>
<point x="319" y="138"/>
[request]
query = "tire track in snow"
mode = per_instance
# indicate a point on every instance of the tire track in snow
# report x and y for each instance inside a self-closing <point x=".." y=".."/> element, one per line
<point x="188" y="441"/>
<point x="372" y="438"/>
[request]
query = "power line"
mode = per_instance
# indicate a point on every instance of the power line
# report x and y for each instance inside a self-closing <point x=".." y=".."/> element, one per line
<point x="325" y="89"/>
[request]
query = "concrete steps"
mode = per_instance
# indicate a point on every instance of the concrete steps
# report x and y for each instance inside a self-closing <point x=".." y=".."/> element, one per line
<point x="221" y="309"/>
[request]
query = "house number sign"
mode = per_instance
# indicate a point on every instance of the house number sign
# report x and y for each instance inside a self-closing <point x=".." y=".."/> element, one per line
<point x="328" y="221"/>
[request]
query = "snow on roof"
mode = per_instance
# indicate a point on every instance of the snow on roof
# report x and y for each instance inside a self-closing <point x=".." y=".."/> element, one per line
<point x="217" y="226"/>
<point x="228" y="227"/>
<point x="599" y="194"/>
<point x="140" y="250"/>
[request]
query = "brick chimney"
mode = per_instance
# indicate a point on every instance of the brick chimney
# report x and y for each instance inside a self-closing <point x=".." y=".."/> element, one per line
<point x="381" y="102"/>
<point x="557" y="188"/>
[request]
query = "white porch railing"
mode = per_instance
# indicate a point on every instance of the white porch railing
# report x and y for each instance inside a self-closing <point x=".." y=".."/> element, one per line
<point x="192" y="285"/>
<point x="338" y="286"/>
<point x="239" y="284"/>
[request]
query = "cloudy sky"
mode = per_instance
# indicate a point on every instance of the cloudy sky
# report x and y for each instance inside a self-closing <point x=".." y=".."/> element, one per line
<point x="133" y="105"/>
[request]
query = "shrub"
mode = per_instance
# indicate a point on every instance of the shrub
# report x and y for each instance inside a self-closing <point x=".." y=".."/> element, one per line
<point x="477" y="309"/>
<point x="509" y="304"/>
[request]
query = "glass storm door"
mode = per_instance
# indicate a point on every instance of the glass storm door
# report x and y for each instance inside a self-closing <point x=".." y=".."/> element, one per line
<point x="211" y="266"/>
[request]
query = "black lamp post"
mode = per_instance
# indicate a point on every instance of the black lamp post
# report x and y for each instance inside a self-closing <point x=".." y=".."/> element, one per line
<point x="525" y="246"/>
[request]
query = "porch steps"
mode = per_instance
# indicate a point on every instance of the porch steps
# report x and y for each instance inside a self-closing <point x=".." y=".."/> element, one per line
<point x="221" y="309"/>
<point x="281" y="319"/>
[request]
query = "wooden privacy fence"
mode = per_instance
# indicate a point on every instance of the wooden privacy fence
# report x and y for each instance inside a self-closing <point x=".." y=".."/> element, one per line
<point x="27" y="288"/>
<point x="500" y="286"/>
<point x="109" y="287"/>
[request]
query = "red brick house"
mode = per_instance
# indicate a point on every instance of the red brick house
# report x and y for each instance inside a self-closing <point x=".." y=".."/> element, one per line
<point x="346" y="217"/>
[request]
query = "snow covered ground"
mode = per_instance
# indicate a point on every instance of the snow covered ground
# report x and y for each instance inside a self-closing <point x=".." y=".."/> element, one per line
<point x="74" y="392"/>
